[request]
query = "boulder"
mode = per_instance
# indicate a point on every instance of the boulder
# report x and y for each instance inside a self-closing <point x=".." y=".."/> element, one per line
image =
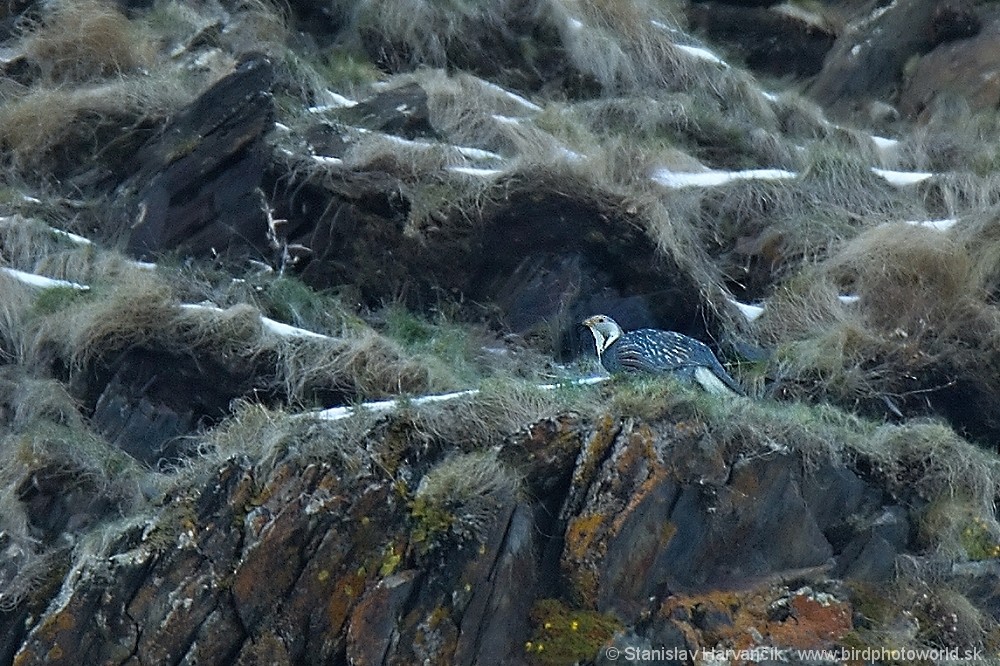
<point x="195" y="184"/>
<point x="867" y="61"/>
<point x="967" y="69"/>
<point x="778" y="43"/>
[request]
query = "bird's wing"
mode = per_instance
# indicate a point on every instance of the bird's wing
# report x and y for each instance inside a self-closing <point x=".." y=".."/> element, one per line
<point x="656" y="351"/>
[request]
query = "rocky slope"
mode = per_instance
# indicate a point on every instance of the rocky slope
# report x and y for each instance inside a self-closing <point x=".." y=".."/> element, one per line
<point x="289" y="370"/>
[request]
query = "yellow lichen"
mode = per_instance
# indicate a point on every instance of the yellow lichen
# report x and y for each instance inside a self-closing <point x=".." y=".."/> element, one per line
<point x="580" y="535"/>
<point x="564" y="635"/>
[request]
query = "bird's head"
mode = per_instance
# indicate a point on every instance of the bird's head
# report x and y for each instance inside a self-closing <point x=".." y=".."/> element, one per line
<point x="604" y="329"/>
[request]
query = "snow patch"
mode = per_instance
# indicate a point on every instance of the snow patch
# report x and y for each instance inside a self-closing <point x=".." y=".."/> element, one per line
<point x="702" y="54"/>
<point x="79" y="240"/>
<point x="41" y="281"/>
<point x="883" y="143"/>
<point x="276" y="327"/>
<point x="713" y="178"/>
<point x="750" y="312"/>
<point x="902" y="178"/>
<point x="938" y="225"/>
<point x="526" y="103"/>
<point x="478" y="153"/>
<point x="473" y="171"/>
<point x="333" y="101"/>
<point x="337" y="413"/>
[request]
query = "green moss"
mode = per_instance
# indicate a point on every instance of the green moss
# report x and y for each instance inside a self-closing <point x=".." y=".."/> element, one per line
<point x="872" y="602"/>
<point x="562" y="635"/>
<point x="406" y="327"/>
<point x="391" y="559"/>
<point x="54" y="299"/>
<point x="344" y="69"/>
<point x="290" y="300"/>
<point x="648" y="398"/>
<point x="447" y="349"/>
<point x="431" y="524"/>
<point x="978" y="541"/>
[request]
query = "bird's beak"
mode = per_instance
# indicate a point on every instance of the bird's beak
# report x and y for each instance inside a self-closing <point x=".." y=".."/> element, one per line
<point x="589" y="322"/>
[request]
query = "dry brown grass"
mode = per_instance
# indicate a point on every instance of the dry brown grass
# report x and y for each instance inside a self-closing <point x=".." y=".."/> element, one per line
<point x="361" y="363"/>
<point x="81" y="119"/>
<point x="908" y="277"/>
<point x="86" y="39"/>
<point x="922" y="335"/>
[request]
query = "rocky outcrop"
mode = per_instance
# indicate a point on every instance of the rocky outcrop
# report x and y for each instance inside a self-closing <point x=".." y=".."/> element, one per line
<point x="959" y="70"/>
<point x="780" y="43"/>
<point x="196" y="183"/>
<point x="660" y="527"/>
<point x="866" y="63"/>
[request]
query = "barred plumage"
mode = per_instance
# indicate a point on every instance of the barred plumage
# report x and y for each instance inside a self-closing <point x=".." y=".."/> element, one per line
<point x="654" y="351"/>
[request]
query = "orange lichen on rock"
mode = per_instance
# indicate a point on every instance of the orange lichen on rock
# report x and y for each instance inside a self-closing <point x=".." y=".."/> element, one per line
<point x="812" y="622"/>
<point x="594" y="449"/>
<point x="750" y="619"/>
<point x="582" y="547"/>
<point x="346" y="592"/>
<point x="581" y="534"/>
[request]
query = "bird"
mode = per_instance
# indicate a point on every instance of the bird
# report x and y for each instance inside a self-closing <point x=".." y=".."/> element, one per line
<point x="653" y="351"/>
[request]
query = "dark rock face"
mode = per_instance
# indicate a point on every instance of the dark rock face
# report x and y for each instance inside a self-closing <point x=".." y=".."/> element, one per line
<point x="400" y="111"/>
<point x="543" y="257"/>
<point x="307" y="563"/>
<point x="307" y="572"/>
<point x="196" y="183"/>
<point x="695" y="520"/>
<point x="150" y="400"/>
<point x="962" y="69"/>
<point x="866" y="62"/>
<point x="769" y="41"/>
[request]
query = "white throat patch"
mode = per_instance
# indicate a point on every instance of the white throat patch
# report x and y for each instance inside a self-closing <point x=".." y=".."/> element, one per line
<point x="601" y="341"/>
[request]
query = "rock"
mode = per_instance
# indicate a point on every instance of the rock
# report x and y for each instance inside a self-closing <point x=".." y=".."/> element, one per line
<point x="195" y="185"/>
<point x="667" y="515"/>
<point x="867" y="60"/>
<point x="149" y="400"/>
<point x="966" y="69"/>
<point x="774" y="42"/>
<point x="59" y="501"/>
<point x="373" y="623"/>
<point x="954" y="20"/>
<point x="401" y="111"/>
<point x="545" y="258"/>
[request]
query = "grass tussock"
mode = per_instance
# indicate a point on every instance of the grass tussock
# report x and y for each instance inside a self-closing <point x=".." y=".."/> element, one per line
<point x="80" y="329"/>
<point x="922" y="331"/>
<point x="133" y="315"/>
<point x="265" y="435"/>
<point x="47" y="124"/>
<point x="427" y="30"/>
<point x="955" y="139"/>
<point x="907" y="277"/>
<point x="460" y="496"/>
<point x="471" y="423"/>
<point x="625" y="45"/>
<point x="47" y="448"/>
<point x="80" y="40"/>
<point x="359" y="364"/>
